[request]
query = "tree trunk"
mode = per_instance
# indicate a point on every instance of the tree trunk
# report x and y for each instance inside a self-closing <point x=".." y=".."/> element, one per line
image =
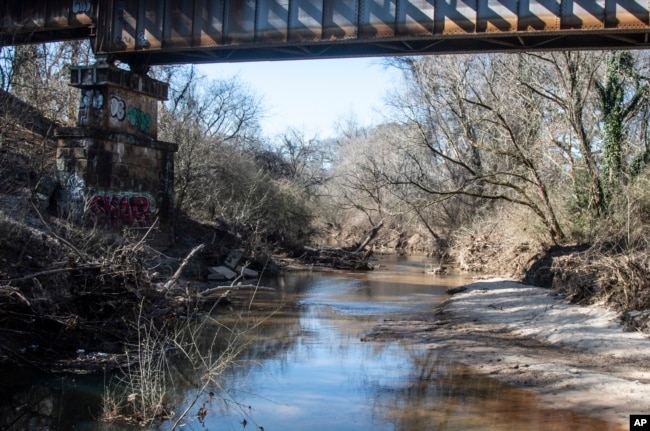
<point x="371" y="236"/>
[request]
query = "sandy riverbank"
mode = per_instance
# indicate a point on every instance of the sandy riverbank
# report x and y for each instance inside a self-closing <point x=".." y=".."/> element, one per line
<point x="571" y="357"/>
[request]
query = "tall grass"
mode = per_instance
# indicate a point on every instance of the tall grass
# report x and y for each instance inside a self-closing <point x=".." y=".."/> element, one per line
<point x="140" y="393"/>
<point x="195" y="353"/>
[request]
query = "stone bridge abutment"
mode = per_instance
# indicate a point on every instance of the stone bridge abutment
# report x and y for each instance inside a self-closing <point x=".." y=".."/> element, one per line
<point x="111" y="167"/>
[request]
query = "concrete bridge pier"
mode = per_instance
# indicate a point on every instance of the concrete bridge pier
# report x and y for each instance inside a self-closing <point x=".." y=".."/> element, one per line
<point x="111" y="169"/>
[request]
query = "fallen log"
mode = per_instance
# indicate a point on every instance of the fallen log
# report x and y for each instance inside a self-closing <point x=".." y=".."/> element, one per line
<point x="252" y="287"/>
<point x="338" y="258"/>
<point x="174" y="279"/>
<point x="371" y="236"/>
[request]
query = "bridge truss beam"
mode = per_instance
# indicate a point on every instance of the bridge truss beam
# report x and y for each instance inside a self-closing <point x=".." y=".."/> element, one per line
<point x="208" y="31"/>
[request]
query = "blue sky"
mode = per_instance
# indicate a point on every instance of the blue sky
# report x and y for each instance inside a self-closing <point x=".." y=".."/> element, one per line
<point x="311" y="95"/>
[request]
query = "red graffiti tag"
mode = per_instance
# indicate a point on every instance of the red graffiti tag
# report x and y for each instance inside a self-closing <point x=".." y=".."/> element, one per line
<point x="119" y="210"/>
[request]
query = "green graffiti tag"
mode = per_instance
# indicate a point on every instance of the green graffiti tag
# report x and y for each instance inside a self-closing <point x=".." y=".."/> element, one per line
<point x="139" y="119"/>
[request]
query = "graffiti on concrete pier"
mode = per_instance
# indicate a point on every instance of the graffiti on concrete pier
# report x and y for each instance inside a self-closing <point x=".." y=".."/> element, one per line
<point x="139" y="119"/>
<point x="121" y="209"/>
<point x="118" y="108"/>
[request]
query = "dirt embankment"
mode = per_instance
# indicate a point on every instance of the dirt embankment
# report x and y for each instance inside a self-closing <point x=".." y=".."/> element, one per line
<point x="573" y="357"/>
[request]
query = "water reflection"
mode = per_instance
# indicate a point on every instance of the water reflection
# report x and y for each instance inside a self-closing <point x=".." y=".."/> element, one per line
<point x="309" y="370"/>
<point x="37" y="400"/>
<point x="306" y="369"/>
<point x="441" y="395"/>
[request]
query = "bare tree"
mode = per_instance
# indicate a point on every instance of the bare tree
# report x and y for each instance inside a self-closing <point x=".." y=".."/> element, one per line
<point x="40" y="76"/>
<point x="308" y="159"/>
<point x="35" y="96"/>
<point x="565" y="80"/>
<point x="471" y="134"/>
<point x="203" y="118"/>
<point x="218" y="174"/>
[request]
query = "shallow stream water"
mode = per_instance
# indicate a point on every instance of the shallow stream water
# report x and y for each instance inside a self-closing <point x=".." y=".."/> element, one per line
<point x="306" y="368"/>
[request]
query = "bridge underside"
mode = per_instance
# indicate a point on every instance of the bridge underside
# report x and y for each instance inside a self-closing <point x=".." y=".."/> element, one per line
<point x="153" y="32"/>
<point x="582" y="40"/>
<point x="39" y="21"/>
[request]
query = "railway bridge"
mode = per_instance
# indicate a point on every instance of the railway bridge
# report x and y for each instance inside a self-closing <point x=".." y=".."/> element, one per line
<point x="209" y="31"/>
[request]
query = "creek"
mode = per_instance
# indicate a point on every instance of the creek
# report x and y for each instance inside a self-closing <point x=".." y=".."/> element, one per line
<point x="307" y="368"/>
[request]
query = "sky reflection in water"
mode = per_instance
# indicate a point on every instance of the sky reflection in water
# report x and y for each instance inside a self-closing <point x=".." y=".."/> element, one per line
<point x="310" y="371"/>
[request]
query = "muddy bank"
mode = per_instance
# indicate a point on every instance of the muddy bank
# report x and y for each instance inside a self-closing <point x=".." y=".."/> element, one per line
<point x="572" y="357"/>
